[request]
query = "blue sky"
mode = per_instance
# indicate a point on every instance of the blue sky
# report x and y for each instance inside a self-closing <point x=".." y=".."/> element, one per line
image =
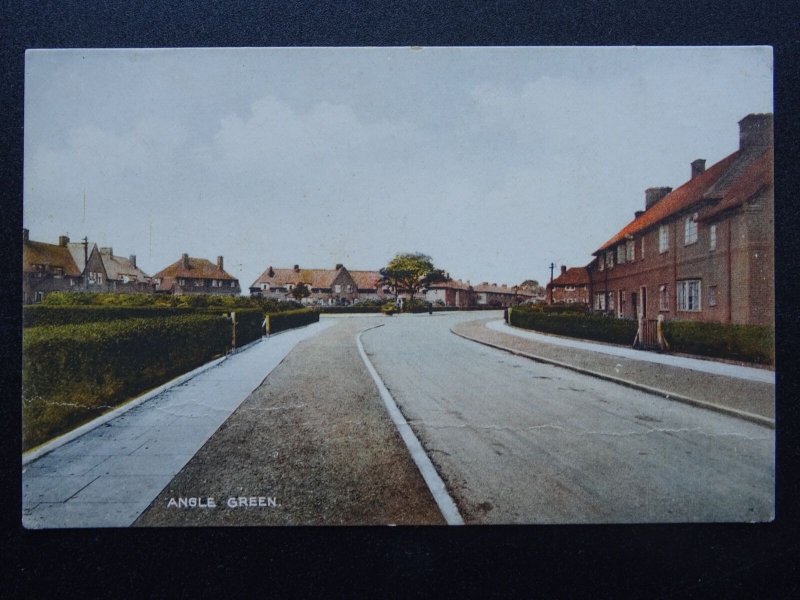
<point x="494" y="161"/>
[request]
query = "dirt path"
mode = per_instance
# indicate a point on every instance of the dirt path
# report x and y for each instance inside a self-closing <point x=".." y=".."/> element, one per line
<point x="312" y="445"/>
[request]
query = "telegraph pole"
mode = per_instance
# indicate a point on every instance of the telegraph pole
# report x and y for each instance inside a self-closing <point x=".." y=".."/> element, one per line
<point x="552" y="266"/>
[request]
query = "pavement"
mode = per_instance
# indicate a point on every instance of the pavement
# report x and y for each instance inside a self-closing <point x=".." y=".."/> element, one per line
<point x="737" y="390"/>
<point x="108" y="476"/>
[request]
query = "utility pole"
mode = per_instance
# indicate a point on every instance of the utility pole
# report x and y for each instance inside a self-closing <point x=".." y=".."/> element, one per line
<point x="552" y="266"/>
<point x="85" y="241"/>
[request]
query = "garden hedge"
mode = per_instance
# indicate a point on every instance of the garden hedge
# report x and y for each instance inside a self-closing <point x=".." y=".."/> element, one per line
<point x="749" y="343"/>
<point x="40" y="314"/>
<point x="588" y="327"/>
<point x="73" y="373"/>
<point x="290" y="319"/>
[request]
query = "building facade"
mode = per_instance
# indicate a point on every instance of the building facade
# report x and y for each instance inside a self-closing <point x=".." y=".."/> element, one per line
<point x="196" y="276"/>
<point x="326" y="286"/>
<point x="47" y="268"/>
<point x="570" y="287"/>
<point x="703" y="251"/>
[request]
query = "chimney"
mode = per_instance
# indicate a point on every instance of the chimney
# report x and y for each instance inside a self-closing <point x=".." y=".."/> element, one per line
<point x="185" y="261"/>
<point x="654" y="194"/>
<point x="698" y="166"/>
<point x="563" y="269"/>
<point x="271" y="272"/>
<point x="297" y="268"/>
<point x="638" y="214"/>
<point x="133" y="260"/>
<point x="339" y="266"/>
<point x="220" y="263"/>
<point x="63" y="240"/>
<point x="25" y="235"/>
<point x="755" y="132"/>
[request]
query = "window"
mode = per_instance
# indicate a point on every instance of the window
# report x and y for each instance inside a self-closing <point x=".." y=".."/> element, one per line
<point x="642" y="257"/>
<point x="233" y="283"/>
<point x="337" y="289"/>
<point x="601" y="264"/>
<point x="600" y="301"/>
<point x="689" y="295"/>
<point x="349" y="288"/>
<point x="663" y="238"/>
<point x="620" y="254"/>
<point x="690" y="230"/>
<point x="610" y="259"/>
<point x="630" y="251"/>
<point x="663" y="297"/>
<point x="611" y="301"/>
<point x="569" y="288"/>
<point x="265" y="286"/>
<point x="712" y="295"/>
<point x="712" y="237"/>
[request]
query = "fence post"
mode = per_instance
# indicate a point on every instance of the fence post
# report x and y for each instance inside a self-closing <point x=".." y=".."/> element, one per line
<point x="233" y="333"/>
<point x="662" y="341"/>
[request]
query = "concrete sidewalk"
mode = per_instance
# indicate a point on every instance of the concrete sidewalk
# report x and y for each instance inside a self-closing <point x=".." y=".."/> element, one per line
<point x="739" y="391"/>
<point x="108" y="476"/>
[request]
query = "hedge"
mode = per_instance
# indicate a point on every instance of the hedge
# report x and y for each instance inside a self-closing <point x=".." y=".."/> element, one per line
<point x="73" y="373"/>
<point x="335" y="310"/>
<point x="749" y="343"/>
<point x="588" y="327"/>
<point x="40" y="314"/>
<point x="290" y="319"/>
<point x="249" y="325"/>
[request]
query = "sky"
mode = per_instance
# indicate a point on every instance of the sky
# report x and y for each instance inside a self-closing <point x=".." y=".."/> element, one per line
<point x="496" y="162"/>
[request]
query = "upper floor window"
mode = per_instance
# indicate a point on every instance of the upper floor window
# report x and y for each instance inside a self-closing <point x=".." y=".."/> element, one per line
<point x="610" y="259"/>
<point x="601" y="264"/>
<point x="620" y="254"/>
<point x="712" y="237"/>
<point x="663" y="298"/>
<point x="630" y="251"/>
<point x="663" y="238"/>
<point x="337" y="289"/>
<point x="689" y="295"/>
<point x="690" y="229"/>
<point x="642" y="253"/>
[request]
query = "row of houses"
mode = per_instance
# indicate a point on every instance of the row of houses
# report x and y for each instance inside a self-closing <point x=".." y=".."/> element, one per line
<point x="81" y="266"/>
<point x="702" y="251"/>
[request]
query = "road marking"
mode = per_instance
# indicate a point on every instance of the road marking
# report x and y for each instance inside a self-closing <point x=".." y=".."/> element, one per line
<point x="435" y="484"/>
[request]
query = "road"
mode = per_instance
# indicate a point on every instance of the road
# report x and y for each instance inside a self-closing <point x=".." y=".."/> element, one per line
<point x="518" y="441"/>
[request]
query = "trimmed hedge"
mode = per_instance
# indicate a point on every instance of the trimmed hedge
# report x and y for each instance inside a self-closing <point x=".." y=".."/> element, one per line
<point x="249" y="325"/>
<point x="290" y="319"/>
<point x="588" y="327"/>
<point x="749" y="343"/>
<point x="39" y="314"/>
<point x="73" y="373"/>
<point x="337" y="310"/>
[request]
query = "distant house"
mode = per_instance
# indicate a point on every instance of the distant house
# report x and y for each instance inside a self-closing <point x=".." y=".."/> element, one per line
<point x="326" y="286"/>
<point x="122" y="274"/>
<point x="571" y="287"/>
<point x="196" y="276"/>
<point x="491" y="294"/>
<point x="47" y="268"/>
<point x="704" y="251"/>
<point x="450" y="293"/>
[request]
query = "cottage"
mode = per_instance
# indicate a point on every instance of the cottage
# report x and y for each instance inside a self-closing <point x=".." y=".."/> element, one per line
<point x="122" y="274"/>
<point x="196" y="276"/>
<point x="47" y="268"/>
<point x="703" y="251"/>
<point x="570" y="287"/>
<point x="326" y="286"/>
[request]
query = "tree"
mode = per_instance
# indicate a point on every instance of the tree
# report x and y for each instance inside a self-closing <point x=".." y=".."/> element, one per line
<point x="411" y="272"/>
<point x="300" y="291"/>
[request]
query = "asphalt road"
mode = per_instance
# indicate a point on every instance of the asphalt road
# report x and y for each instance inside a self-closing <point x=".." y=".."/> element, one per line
<point x="518" y="441"/>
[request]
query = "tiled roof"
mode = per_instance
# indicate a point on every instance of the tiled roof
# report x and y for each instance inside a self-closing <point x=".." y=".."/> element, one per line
<point x="77" y="250"/>
<point x="755" y="176"/>
<point x="199" y="268"/>
<point x="573" y="276"/>
<point x="315" y="278"/>
<point x="50" y="255"/>
<point x="690" y="193"/>
<point x="118" y="267"/>
<point x="365" y="280"/>
<point x="494" y="288"/>
<point x="453" y="284"/>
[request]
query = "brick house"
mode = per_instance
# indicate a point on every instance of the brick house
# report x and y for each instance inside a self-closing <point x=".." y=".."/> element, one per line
<point x="327" y="286"/>
<point x="122" y="275"/>
<point x="47" y="268"/>
<point x="704" y="251"/>
<point x="570" y="287"/>
<point x="196" y="276"/>
<point x="491" y="294"/>
<point x="450" y="293"/>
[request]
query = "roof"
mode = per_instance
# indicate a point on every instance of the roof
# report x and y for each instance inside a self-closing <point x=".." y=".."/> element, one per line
<point x="79" y="253"/>
<point x="496" y="289"/>
<point x="755" y="176"/>
<point x="452" y="284"/>
<point x="365" y="280"/>
<point x="51" y="255"/>
<point x="199" y="268"/>
<point x="315" y="278"/>
<point x="118" y="267"/>
<point x="573" y="276"/>
<point x="680" y="199"/>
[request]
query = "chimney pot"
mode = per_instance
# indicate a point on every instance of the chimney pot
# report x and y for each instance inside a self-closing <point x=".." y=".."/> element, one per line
<point x="563" y="269"/>
<point x="271" y="272"/>
<point x="220" y="263"/>
<point x="755" y="131"/>
<point x="638" y="214"/>
<point x="698" y="166"/>
<point x="63" y="240"/>
<point x="185" y="259"/>
<point x="297" y="268"/>
<point x="133" y="259"/>
<point x="654" y="194"/>
<point x="339" y="266"/>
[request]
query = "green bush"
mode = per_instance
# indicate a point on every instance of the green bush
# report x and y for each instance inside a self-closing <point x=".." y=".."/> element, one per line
<point x="290" y="319"/>
<point x="73" y="373"/>
<point x="64" y="314"/>
<point x="749" y="343"/>
<point x="588" y="327"/>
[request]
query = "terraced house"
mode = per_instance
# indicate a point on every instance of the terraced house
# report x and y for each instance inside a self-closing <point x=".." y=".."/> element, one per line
<point x="703" y="251"/>
<point x="47" y="268"/>
<point x="196" y="276"/>
<point x="326" y="286"/>
<point x="570" y="287"/>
